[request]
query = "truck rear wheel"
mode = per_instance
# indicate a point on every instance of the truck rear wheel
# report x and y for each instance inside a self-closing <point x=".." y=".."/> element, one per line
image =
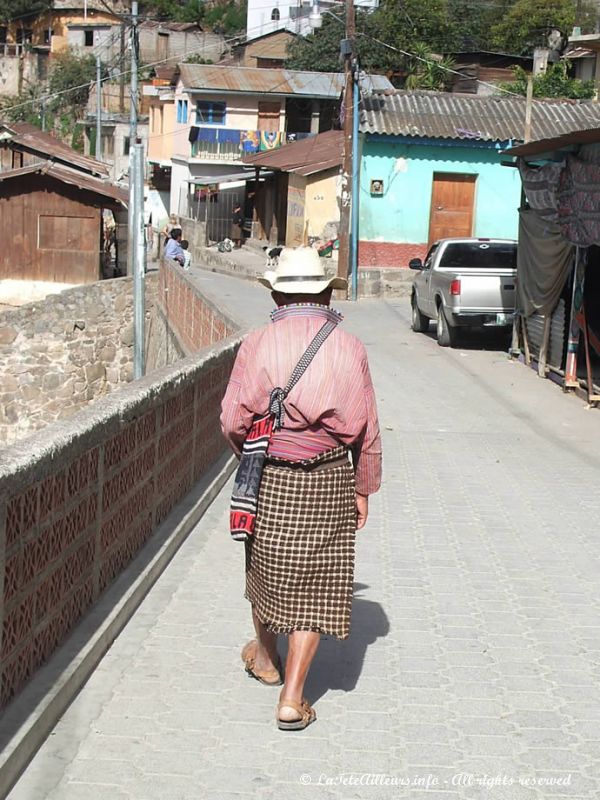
<point x="446" y="335"/>
<point x="419" y="323"/>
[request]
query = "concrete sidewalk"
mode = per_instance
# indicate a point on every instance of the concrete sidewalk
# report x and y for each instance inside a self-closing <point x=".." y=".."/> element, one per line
<point x="473" y="663"/>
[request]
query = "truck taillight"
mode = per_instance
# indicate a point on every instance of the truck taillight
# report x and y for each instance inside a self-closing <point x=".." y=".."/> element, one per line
<point x="455" y="287"/>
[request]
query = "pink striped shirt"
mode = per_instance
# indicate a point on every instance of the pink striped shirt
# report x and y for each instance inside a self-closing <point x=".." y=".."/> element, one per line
<point x="333" y="403"/>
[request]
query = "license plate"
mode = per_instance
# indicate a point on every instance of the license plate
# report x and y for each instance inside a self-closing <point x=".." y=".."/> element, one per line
<point x="503" y="319"/>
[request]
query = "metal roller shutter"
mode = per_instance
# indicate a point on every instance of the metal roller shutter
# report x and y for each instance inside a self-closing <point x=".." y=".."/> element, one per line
<point x="558" y="333"/>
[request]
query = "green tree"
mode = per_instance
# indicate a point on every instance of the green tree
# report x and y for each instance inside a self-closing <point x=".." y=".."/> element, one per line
<point x="62" y="102"/>
<point x="12" y="10"/>
<point x="68" y="70"/>
<point x="226" y="17"/>
<point x="554" y="83"/>
<point x="320" y="51"/>
<point x="404" y="25"/>
<point x="428" y="71"/>
<point x="471" y="21"/>
<point x="385" y="39"/>
<point x="219" y="15"/>
<point x="527" y="23"/>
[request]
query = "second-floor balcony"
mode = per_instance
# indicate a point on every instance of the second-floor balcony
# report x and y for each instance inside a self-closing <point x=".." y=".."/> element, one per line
<point x="231" y="144"/>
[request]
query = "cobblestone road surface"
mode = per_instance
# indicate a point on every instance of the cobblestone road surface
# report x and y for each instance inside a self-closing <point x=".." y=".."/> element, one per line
<point x="473" y="666"/>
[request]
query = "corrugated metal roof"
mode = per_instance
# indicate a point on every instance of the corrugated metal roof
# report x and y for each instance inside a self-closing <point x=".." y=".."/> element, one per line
<point x="588" y="136"/>
<point x="306" y="157"/>
<point x="252" y="80"/>
<point x="33" y="139"/>
<point x="441" y="115"/>
<point x="88" y="183"/>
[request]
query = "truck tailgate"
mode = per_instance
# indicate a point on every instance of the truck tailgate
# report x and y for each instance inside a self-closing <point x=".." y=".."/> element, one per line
<point x="482" y="292"/>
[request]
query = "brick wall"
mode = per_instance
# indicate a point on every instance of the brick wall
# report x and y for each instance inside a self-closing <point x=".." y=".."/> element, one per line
<point x="194" y="320"/>
<point x="86" y="494"/>
<point x="383" y="255"/>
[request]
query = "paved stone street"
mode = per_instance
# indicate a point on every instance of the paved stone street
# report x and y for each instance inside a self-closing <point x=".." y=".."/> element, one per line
<point x="473" y="666"/>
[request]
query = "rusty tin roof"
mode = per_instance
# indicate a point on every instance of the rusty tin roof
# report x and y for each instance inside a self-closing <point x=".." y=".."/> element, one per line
<point x="306" y="157"/>
<point x="87" y="183"/>
<point x="30" y="138"/>
<point x="253" y="80"/>
<point x="442" y="115"/>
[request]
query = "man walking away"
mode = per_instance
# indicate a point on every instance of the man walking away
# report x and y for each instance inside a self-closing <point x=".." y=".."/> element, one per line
<point x="311" y="499"/>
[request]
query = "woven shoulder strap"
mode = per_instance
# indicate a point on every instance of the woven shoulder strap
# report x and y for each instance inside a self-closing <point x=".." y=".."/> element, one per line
<point x="278" y="395"/>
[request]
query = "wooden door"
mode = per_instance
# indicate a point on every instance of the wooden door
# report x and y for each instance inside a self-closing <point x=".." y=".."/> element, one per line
<point x="452" y="203"/>
<point x="268" y="116"/>
<point x="162" y="46"/>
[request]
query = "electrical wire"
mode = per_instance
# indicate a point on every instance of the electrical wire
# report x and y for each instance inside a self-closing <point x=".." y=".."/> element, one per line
<point x="242" y="40"/>
<point x="177" y="57"/>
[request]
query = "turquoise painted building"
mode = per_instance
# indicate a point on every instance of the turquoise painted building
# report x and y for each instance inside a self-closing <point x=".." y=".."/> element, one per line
<point x="431" y="167"/>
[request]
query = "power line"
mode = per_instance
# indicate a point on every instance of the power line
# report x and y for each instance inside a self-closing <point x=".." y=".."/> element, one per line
<point x="244" y="39"/>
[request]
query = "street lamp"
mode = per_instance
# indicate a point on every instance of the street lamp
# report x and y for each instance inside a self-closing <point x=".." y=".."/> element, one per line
<point x="348" y="250"/>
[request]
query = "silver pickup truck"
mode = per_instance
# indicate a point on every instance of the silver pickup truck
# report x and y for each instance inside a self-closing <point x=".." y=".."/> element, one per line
<point x="464" y="283"/>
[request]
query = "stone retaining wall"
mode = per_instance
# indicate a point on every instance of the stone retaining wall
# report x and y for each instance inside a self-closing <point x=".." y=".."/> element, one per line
<point x="58" y="354"/>
<point x="85" y="494"/>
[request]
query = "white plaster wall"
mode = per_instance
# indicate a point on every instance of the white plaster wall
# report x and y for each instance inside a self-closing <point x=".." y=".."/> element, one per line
<point x="180" y="173"/>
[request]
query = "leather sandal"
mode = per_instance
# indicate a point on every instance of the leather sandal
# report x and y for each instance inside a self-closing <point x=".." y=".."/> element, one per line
<point x="306" y="712"/>
<point x="269" y="677"/>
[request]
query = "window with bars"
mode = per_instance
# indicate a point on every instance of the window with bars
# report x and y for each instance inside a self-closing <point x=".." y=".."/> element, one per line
<point x="210" y="112"/>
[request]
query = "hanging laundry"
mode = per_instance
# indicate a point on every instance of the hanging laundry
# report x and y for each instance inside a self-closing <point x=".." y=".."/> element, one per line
<point x="270" y="140"/>
<point x="229" y="136"/>
<point x="541" y="187"/>
<point x="250" y="141"/>
<point x="579" y="202"/>
<point x="207" y="135"/>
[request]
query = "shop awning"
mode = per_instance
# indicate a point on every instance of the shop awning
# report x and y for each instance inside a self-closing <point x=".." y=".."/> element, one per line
<point x="228" y="177"/>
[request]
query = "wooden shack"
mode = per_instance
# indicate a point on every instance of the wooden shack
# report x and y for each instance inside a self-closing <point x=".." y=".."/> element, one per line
<point x="51" y="223"/>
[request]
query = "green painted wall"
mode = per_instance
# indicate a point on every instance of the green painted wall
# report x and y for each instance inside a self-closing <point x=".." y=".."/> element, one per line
<point x="402" y="213"/>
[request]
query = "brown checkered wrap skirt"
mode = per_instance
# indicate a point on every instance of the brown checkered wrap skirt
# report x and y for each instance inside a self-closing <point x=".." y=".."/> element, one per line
<point x="300" y="560"/>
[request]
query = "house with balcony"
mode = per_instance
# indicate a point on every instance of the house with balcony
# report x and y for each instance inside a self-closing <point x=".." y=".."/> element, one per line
<point x="205" y="118"/>
<point x="266" y="17"/>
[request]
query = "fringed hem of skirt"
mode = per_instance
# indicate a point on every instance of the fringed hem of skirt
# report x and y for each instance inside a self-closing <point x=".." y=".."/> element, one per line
<point x="276" y="627"/>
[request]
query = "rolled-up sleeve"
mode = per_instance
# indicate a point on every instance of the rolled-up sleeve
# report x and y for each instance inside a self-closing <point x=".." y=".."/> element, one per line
<point x="236" y="419"/>
<point x="367" y="450"/>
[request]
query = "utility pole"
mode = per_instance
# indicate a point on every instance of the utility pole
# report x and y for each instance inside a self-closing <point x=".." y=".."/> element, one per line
<point x="528" y="109"/>
<point x="139" y="274"/>
<point x="136" y="252"/>
<point x="355" y="185"/>
<point x="122" y="70"/>
<point x="98" y="109"/>
<point x="347" y="51"/>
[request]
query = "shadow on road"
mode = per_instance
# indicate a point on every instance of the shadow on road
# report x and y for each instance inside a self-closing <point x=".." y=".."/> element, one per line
<point x="491" y="339"/>
<point x="338" y="664"/>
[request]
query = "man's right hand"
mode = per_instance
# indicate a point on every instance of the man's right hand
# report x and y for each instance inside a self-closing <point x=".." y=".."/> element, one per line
<point x="362" y="510"/>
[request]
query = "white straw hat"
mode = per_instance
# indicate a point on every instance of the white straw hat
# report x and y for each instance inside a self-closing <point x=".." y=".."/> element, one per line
<point x="300" y="271"/>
